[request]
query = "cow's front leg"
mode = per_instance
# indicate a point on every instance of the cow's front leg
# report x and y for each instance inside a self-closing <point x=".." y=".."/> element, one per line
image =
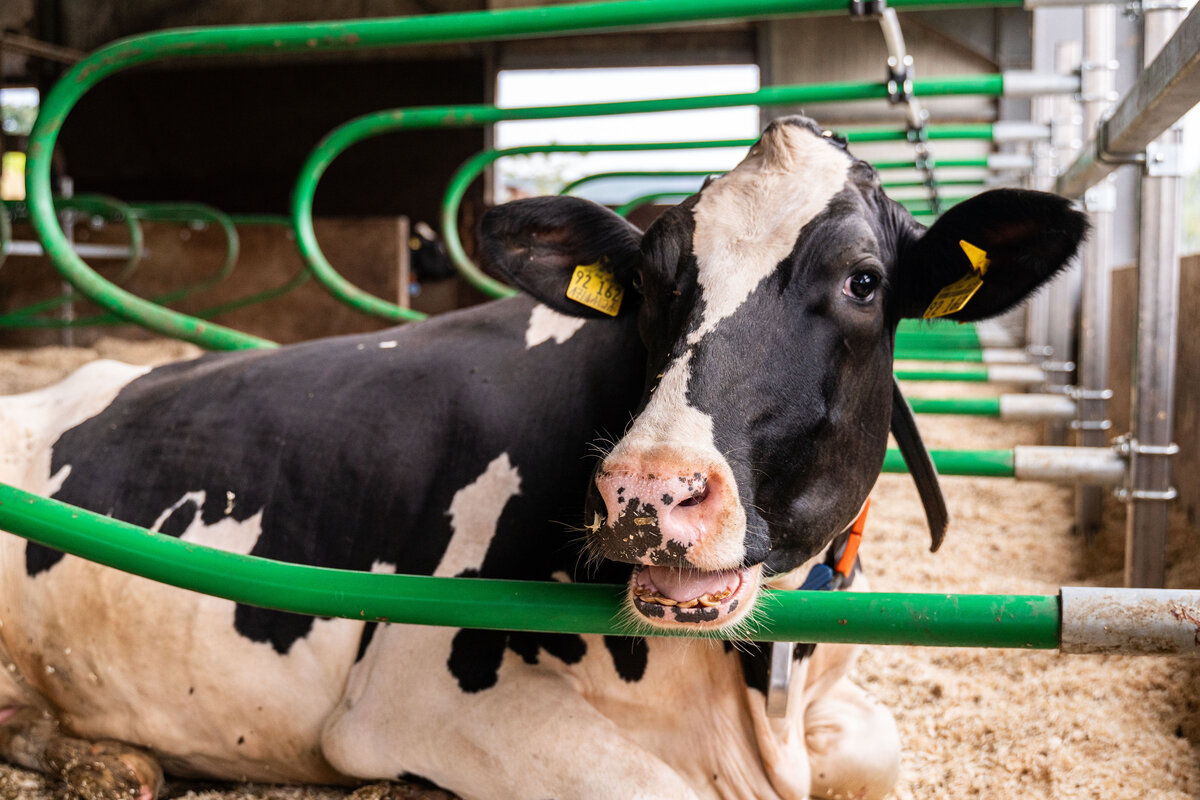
<point x="103" y="770"/>
<point x="853" y="745"/>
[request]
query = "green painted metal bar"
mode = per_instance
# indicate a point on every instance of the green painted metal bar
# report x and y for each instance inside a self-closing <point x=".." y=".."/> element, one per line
<point x="939" y="182"/>
<point x="980" y="463"/>
<point x="110" y="208"/>
<point x="921" y="353"/>
<point x="949" y="163"/>
<point x="468" y="116"/>
<point x="315" y="37"/>
<point x="654" y="197"/>
<point x="603" y="176"/>
<point x="971" y="375"/>
<point x="470" y="169"/>
<point x="1022" y="621"/>
<point x="296" y="281"/>
<point x="189" y="213"/>
<point x="972" y="406"/>
<point x="912" y="340"/>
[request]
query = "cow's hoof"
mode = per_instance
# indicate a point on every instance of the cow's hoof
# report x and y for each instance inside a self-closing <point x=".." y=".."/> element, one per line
<point x="108" y="771"/>
<point x="400" y="791"/>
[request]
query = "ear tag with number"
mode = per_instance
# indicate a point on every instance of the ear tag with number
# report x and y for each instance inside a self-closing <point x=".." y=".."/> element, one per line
<point x="595" y="287"/>
<point x="954" y="297"/>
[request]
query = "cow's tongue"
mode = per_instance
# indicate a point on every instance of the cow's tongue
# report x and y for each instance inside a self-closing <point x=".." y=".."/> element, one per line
<point x="687" y="584"/>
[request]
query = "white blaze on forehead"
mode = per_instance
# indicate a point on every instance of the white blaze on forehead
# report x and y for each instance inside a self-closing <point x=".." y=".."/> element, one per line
<point x="668" y="417"/>
<point x="747" y="221"/>
<point x="474" y="513"/>
<point x="545" y="324"/>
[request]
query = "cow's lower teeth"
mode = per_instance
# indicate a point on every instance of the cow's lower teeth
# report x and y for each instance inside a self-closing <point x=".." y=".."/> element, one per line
<point x="688" y="603"/>
<point x="666" y="601"/>
<point x="708" y="601"/>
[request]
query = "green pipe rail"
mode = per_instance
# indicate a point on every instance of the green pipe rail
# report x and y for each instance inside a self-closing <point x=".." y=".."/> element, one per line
<point x="626" y="208"/>
<point x="508" y="24"/>
<point x="473" y="167"/>
<point x="106" y="207"/>
<point x="1019" y="621"/>
<point x="969" y="375"/>
<point x="135" y="213"/>
<point x="668" y="174"/>
<point x="970" y="406"/>
<point x="296" y="281"/>
<point x="470" y="116"/>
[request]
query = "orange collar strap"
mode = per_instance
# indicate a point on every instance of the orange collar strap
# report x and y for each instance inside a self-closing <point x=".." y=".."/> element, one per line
<point x="850" y="553"/>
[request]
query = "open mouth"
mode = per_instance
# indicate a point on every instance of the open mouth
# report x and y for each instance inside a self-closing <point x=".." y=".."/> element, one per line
<point x="670" y="596"/>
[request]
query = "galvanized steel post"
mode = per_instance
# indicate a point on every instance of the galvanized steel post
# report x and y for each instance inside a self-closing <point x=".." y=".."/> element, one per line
<point x="1153" y="400"/>
<point x="1091" y="392"/>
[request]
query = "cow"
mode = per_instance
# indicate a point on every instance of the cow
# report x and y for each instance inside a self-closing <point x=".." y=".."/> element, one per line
<point x="697" y="412"/>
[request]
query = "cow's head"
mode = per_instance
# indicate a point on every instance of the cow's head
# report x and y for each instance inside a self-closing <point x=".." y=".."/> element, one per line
<point x="768" y="307"/>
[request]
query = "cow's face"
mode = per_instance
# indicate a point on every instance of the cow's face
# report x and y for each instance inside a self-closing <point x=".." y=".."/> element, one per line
<point x="769" y="303"/>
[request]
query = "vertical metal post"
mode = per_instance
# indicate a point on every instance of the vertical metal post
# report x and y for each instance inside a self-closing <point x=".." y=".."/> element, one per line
<point x="67" y="220"/>
<point x="1153" y="400"/>
<point x="1098" y="91"/>
<point x="1037" y="314"/>
<point x="1063" y="293"/>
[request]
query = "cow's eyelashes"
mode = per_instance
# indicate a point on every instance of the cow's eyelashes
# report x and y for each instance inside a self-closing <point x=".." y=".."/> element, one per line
<point x="861" y="286"/>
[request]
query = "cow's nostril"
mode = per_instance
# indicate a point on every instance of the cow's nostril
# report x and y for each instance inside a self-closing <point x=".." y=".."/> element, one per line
<point x="696" y="499"/>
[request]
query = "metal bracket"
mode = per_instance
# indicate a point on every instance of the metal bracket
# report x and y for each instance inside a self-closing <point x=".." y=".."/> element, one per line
<point x="866" y="10"/>
<point x="900" y="82"/>
<point x="1091" y="424"/>
<point x="1111" y="65"/>
<point x="1163" y="160"/>
<point x="1079" y="393"/>
<point x="1127" y="446"/>
<point x="1058" y="366"/>
<point x="1107" y="156"/>
<point x="1129" y="495"/>
<point x="1040" y="350"/>
<point x="1140" y="7"/>
<point x="779" y="678"/>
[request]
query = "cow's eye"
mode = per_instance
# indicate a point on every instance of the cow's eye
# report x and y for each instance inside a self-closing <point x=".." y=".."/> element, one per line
<point x="861" y="286"/>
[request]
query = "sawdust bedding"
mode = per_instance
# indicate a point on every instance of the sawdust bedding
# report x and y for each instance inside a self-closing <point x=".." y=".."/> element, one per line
<point x="974" y="723"/>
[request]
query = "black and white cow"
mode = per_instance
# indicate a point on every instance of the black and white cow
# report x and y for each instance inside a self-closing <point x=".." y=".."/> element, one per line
<point x="740" y="399"/>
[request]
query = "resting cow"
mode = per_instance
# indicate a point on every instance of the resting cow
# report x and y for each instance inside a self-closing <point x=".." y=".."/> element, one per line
<point x="717" y="434"/>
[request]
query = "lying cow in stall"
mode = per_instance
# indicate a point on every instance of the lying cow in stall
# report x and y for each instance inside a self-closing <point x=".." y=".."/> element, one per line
<point x="739" y="403"/>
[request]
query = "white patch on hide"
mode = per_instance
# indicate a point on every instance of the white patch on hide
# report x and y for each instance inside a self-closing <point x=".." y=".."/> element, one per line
<point x="32" y="422"/>
<point x="383" y="567"/>
<point x="57" y="480"/>
<point x="388" y="345"/>
<point x="747" y="221"/>
<point x="193" y="497"/>
<point x="545" y="324"/>
<point x="474" y="512"/>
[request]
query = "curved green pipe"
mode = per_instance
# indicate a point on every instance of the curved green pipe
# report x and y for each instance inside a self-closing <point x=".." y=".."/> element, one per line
<point x="99" y="205"/>
<point x="1022" y="621"/>
<point x="470" y="169"/>
<point x="625" y="208"/>
<point x="294" y="282"/>
<point x="471" y="116"/>
<point x="188" y="213"/>
<point x="601" y="176"/>
<point x="135" y="212"/>
<point x="515" y="23"/>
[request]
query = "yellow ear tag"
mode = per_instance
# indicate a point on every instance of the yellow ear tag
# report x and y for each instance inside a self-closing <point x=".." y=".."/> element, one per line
<point x="595" y="287"/>
<point x="954" y="297"/>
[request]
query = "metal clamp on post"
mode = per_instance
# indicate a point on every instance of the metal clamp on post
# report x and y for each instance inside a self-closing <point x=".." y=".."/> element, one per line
<point x="867" y="10"/>
<point x="900" y="79"/>
<point x="1131" y="449"/>
<point x="1078" y="394"/>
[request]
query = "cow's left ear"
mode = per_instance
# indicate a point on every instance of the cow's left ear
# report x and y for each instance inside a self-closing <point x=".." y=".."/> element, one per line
<point x="986" y="254"/>
<point x="559" y="248"/>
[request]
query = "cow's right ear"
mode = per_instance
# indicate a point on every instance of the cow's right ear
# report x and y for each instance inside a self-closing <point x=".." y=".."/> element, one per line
<point x="537" y="243"/>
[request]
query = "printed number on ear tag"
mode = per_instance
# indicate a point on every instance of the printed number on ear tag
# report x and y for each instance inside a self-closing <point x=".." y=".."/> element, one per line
<point x="595" y="287"/>
<point x="955" y="297"/>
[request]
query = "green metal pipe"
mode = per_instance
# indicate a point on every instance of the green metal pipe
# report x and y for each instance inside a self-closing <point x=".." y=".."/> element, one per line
<point x="471" y="116"/>
<point x="1021" y="621"/>
<point x="297" y="280"/>
<point x="654" y="197"/>
<point x="970" y="375"/>
<point x="910" y="340"/>
<point x="920" y="353"/>
<point x="110" y="208"/>
<point x="190" y="213"/>
<point x="470" y="169"/>
<point x="972" y="406"/>
<point x="602" y="176"/>
<point x="937" y="182"/>
<point x="979" y="463"/>
<point x="316" y="37"/>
